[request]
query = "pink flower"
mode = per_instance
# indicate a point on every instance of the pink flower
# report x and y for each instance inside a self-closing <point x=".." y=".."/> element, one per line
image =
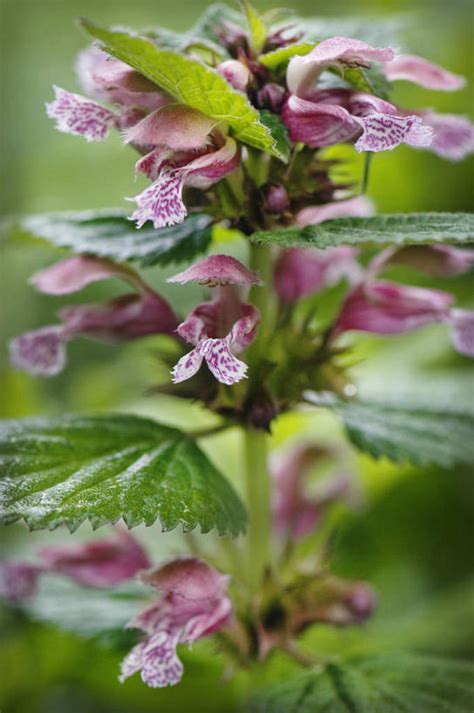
<point x="335" y="116"/>
<point x="453" y="136"/>
<point x="18" y="580"/>
<point x="222" y="327"/>
<point x="334" y="52"/>
<point x="359" y="206"/>
<point x="43" y="351"/>
<point x="435" y="260"/>
<point x="77" y="115"/>
<point x="184" y="149"/>
<point x="387" y="308"/>
<point x="193" y="604"/>
<point x="415" y="69"/>
<point x="107" y="79"/>
<point x="102" y="563"/>
<point x="295" y="512"/>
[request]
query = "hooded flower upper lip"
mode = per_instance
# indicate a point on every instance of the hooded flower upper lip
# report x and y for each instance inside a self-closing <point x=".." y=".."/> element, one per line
<point x="193" y="603"/>
<point x="42" y="352"/>
<point x="420" y="71"/>
<point x="217" y="270"/>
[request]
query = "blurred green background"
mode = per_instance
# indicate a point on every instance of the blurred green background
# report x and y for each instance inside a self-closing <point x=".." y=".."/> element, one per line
<point x="413" y="535"/>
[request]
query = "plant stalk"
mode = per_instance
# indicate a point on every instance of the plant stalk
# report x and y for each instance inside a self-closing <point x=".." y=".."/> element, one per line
<point x="258" y="504"/>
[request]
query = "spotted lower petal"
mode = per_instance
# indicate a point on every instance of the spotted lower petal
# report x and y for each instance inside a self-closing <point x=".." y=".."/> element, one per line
<point x="162" y="202"/>
<point x="160" y="665"/>
<point x="222" y="363"/>
<point x="77" y="115"/>
<point x="187" y="366"/>
<point x="453" y="135"/>
<point x="462" y="331"/>
<point x="384" y="132"/>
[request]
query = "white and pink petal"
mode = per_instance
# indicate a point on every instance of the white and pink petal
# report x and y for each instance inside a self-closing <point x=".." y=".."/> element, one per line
<point x="77" y="115"/>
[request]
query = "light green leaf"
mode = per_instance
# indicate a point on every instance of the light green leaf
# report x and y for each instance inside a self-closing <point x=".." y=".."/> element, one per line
<point x="258" y="30"/>
<point x="367" y="79"/>
<point x="278" y="131"/>
<point x="190" y="82"/>
<point x="402" y="683"/>
<point x="109" y="233"/>
<point x="71" y="469"/>
<point x="395" y="229"/>
<point x="280" y="57"/>
<point x="421" y="436"/>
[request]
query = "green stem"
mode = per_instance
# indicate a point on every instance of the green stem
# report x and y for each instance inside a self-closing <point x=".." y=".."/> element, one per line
<point x="258" y="504"/>
<point x="262" y="296"/>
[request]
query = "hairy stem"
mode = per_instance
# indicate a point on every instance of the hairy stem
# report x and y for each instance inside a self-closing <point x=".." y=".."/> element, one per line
<point x="258" y="504"/>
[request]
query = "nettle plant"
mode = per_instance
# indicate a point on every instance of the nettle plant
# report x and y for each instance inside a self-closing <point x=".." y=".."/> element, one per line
<point x="230" y="123"/>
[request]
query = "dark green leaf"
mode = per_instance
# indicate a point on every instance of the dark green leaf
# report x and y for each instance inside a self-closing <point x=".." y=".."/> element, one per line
<point x="370" y="79"/>
<point x="395" y="229"/>
<point x="278" y="130"/>
<point x="190" y="82"/>
<point x="421" y="436"/>
<point x="385" y="684"/>
<point x="109" y="233"/>
<point x="71" y="469"/>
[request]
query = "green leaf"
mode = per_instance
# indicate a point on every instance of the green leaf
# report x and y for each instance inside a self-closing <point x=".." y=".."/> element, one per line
<point x="257" y="27"/>
<point x="278" y="131"/>
<point x="190" y="82"/>
<point x="377" y="31"/>
<point x="71" y="469"/>
<point x="86" y="611"/>
<point x="395" y="229"/>
<point x="402" y="683"/>
<point x="109" y="233"/>
<point x="367" y="79"/>
<point x="421" y="436"/>
<point x="280" y="57"/>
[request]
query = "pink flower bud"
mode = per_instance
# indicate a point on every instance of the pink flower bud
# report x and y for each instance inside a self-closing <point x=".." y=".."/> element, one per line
<point x="276" y="199"/>
<point x="217" y="270"/>
<point x="272" y="97"/>
<point x="236" y="73"/>
<point x="102" y="563"/>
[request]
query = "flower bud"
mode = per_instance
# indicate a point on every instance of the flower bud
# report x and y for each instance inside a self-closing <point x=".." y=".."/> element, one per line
<point x="271" y="96"/>
<point x="236" y="73"/>
<point x="276" y="199"/>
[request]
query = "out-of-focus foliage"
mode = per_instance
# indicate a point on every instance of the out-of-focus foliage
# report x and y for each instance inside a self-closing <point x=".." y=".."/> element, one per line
<point x="413" y="535"/>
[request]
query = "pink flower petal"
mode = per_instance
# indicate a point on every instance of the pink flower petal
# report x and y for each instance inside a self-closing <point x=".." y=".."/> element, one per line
<point x="18" y="580"/>
<point x="303" y="72"/>
<point x="384" y="132"/>
<point x="388" y="308"/>
<point x="74" y="273"/>
<point x="318" y="125"/>
<point x="436" y="260"/>
<point x="176" y="127"/>
<point x="352" y="207"/>
<point x="187" y="577"/>
<point x="453" y="135"/>
<point x="105" y="78"/>
<point x="206" y="170"/>
<point x="461" y="322"/>
<point x="217" y="270"/>
<point x="103" y="563"/>
<point x="80" y="116"/>
<point x="162" y="202"/>
<point x="425" y="74"/>
<point x="222" y="363"/>
<point x="41" y="352"/>
<point x="187" y="366"/>
<point x="243" y="332"/>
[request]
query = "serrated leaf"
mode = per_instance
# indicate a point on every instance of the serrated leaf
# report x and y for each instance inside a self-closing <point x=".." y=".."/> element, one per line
<point x="109" y="233"/>
<point x="257" y="28"/>
<point x="421" y="436"/>
<point x="394" y="229"/>
<point x="402" y="683"/>
<point x="67" y="470"/>
<point x="279" y="132"/>
<point x="280" y="57"/>
<point x="190" y="82"/>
